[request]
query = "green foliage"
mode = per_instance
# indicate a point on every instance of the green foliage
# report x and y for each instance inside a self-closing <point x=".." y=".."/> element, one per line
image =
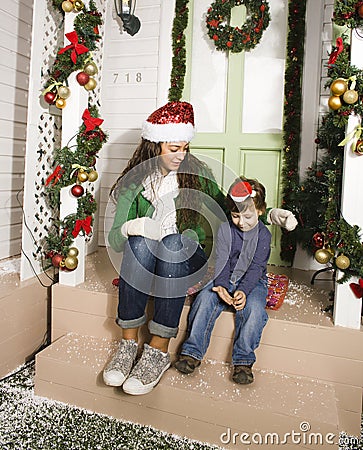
<point x="86" y="25"/>
<point x="292" y="124"/>
<point x="341" y="68"/>
<point x="346" y="13"/>
<point x="179" y="53"/>
<point x="70" y="159"/>
<point x="237" y="39"/>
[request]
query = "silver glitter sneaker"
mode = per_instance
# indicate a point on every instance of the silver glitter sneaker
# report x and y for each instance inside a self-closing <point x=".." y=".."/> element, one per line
<point x="118" y="369"/>
<point x="147" y="372"/>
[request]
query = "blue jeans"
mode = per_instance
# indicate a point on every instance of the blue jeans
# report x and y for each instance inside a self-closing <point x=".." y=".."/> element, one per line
<point x="249" y="323"/>
<point x="165" y="270"/>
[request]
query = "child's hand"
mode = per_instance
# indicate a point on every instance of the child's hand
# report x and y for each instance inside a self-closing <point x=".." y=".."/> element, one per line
<point x="239" y="300"/>
<point x="223" y="294"/>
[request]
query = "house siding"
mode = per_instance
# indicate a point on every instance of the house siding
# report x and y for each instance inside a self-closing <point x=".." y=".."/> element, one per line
<point x="15" y="47"/>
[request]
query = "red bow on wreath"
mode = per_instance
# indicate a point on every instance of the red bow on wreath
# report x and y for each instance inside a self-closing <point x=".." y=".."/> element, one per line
<point x="82" y="224"/>
<point x="357" y="288"/>
<point x="77" y="49"/>
<point x="90" y="122"/>
<point x="55" y="176"/>
<point x="334" y="55"/>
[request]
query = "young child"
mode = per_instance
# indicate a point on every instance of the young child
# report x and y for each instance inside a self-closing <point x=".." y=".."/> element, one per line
<point x="240" y="282"/>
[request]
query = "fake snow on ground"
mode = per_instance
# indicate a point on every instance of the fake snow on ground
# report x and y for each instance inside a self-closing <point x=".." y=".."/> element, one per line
<point x="28" y="422"/>
<point x="8" y="266"/>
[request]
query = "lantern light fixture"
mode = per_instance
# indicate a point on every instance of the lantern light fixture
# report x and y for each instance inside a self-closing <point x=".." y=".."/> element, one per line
<point x="125" y="9"/>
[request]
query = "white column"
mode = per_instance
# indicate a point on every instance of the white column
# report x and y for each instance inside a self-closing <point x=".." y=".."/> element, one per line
<point x="347" y="308"/>
<point x="71" y="121"/>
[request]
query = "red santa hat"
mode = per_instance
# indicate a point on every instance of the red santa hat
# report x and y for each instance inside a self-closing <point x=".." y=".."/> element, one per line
<point x="241" y="191"/>
<point x="173" y="122"/>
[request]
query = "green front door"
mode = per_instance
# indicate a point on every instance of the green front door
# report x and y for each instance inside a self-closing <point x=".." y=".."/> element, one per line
<point x="239" y="100"/>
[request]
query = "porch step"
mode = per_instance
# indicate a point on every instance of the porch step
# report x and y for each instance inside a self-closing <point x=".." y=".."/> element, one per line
<point x="206" y="405"/>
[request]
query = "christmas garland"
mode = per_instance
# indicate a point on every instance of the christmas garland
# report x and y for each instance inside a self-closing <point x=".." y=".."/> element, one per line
<point x="75" y="163"/>
<point x="324" y="231"/>
<point x="179" y="53"/>
<point x="76" y="56"/>
<point x="292" y="124"/>
<point x="346" y="84"/>
<point x="348" y="13"/>
<point x="237" y="39"/>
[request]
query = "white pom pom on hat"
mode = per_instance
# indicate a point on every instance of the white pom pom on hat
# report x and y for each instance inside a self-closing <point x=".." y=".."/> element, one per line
<point x="173" y="122"/>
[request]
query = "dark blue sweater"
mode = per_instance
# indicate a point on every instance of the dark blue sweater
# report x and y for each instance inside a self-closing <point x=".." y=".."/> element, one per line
<point x="228" y="249"/>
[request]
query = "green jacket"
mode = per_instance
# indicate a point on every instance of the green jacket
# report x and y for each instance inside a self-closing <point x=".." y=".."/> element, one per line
<point x="131" y="204"/>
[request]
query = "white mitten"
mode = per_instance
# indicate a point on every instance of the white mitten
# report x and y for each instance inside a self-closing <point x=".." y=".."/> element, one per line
<point x="142" y="226"/>
<point x="282" y="218"/>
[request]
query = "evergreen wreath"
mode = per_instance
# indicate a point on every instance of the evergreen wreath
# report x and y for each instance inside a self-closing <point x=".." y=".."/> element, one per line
<point x="237" y="39"/>
<point x="348" y="13"/>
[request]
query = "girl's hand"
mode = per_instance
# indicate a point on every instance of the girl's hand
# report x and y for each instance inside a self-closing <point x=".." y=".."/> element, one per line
<point x="223" y="294"/>
<point x="142" y="226"/>
<point x="239" y="300"/>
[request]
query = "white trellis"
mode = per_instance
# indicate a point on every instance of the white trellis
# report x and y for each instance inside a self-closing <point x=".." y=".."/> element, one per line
<point x="347" y="308"/>
<point x="48" y="128"/>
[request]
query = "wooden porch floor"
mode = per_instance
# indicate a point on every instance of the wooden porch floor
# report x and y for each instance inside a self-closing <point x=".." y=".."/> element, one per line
<point x="307" y="369"/>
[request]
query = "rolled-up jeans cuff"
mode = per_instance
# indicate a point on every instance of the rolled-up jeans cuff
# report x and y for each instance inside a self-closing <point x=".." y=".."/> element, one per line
<point x="132" y="323"/>
<point x="162" y="330"/>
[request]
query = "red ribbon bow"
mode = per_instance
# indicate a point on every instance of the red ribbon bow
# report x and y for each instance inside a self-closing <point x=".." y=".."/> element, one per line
<point x="357" y="288"/>
<point x="90" y="122"/>
<point x="82" y="224"/>
<point x="334" y="54"/>
<point x="56" y="176"/>
<point x="77" y="49"/>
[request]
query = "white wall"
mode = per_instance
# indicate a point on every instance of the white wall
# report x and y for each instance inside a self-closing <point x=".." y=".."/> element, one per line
<point x="131" y="89"/>
<point x="15" y="45"/>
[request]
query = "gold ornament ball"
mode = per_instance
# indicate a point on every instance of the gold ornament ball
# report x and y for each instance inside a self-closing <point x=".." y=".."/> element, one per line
<point x="338" y="86"/>
<point x="64" y="91"/>
<point x="359" y="147"/>
<point x="78" y="5"/>
<point x="90" y="69"/>
<point x="67" y="6"/>
<point x="322" y="255"/>
<point x="60" y="103"/>
<point x="73" y="251"/>
<point x="92" y="83"/>
<point x="92" y="176"/>
<point x="82" y="176"/>
<point x="62" y="263"/>
<point x="350" y="96"/>
<point x="334" y="102"/>
<point x="71" y="262"/>
<point x="342" y="262"/>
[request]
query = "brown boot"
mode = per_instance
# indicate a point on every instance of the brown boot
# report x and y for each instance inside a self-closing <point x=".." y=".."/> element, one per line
<point x="186" y="364"/>
<point x="242" y="374"/>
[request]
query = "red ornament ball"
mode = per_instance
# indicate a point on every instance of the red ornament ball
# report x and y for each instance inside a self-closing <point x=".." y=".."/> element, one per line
<point x="360" y="11"/>
<point x="82" y="78"/>
<point x="318" y="240"/>
<point x="77" y="190"/>
<point x="57" y="259"/>
<point x="50" y="97"/>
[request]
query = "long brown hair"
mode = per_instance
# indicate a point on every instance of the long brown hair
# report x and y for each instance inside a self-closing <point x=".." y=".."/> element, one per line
<point x="189" y="180"/>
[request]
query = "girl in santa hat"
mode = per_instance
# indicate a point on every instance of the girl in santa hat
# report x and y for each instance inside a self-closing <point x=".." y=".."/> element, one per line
<point x="158" y="226"/>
